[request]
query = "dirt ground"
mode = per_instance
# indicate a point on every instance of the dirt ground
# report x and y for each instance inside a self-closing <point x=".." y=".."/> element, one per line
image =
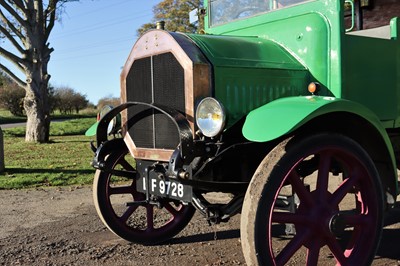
<point x="59" y="226"/>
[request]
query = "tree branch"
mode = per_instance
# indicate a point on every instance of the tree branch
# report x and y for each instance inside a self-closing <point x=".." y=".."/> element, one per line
<point x="20" y="4"/>
<point x="51" y="9"/>
<point x="19" y="62"/>
<point x="12" y="76"/>
<point x="11" y="25"/>
<point x="28" y="4"/>
<point x="12" y="12"/>
<point x="40" y="20"/>
<point x="12" y="40"/>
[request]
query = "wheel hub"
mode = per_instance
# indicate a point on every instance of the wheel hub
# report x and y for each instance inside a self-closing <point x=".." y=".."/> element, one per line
<point x="337" y="224"/>
<point x="324" y="220"/>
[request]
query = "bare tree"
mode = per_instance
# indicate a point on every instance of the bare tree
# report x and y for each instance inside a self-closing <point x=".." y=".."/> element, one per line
<point x="67" y="100"/>
<point x="26" y="25"/>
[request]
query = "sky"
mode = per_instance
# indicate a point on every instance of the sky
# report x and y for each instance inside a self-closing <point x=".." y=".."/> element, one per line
<point x="92" y="42"/>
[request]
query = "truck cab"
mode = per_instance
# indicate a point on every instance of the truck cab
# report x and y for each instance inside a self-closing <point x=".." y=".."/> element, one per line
<point x="288" y="107"/>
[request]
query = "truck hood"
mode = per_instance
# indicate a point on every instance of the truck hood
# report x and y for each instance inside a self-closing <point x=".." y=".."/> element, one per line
<point x="239" y="51"/>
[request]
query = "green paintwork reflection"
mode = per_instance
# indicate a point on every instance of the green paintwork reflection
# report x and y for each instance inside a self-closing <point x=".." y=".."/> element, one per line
<point x="310" y="32"/>
<point x="371" y="73"/>
<point x="245" y="51"/>
<point x="262" y="61"/>
<point x="360" y="69"/>
<point x="247" y="89"/>
<point x="274" y="55"/>
<point x="250" y="72"/>
<point x="287" y="114"/>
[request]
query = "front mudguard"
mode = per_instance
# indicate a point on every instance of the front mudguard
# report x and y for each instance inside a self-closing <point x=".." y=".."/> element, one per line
<point x="285" y="115"/>
<point x="104" y="149"/>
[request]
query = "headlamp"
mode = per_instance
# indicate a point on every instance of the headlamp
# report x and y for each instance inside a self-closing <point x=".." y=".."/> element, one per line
<point x="210" y="117"/>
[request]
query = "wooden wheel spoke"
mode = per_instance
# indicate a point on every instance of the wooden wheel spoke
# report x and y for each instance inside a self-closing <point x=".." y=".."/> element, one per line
<point x="291" y="248"/>
<point x="121" y="190"/>
<point x="343" y="189"/>
<point x="289" y="218"/>
<point x="127" y="166"/>
<point x="129" y="211"/>
<point x="170" y="209"/>
<point x="336" y="250"/>
<point x="352" y="220"/>
<point x="313" y="253"/>
<point x="323" y="175"/>
<point x="150" y="217"/>
<point x="301" y="191"/>
<point x="353" y="241"/>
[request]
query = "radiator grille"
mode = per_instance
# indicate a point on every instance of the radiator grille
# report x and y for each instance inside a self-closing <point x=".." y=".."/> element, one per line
<point x="156" y="79"/>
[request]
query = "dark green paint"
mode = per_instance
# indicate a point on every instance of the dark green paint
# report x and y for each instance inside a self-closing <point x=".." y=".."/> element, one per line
<point x="250" y="72"/>
<point x="264" y="62"/>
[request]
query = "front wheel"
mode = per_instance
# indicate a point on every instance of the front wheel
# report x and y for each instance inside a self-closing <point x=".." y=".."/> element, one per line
<point x="124" y="210"/>
<point x="317" y="201"/>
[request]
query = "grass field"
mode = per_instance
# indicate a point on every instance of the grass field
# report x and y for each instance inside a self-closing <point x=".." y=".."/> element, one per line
<point x="6" y="117"/>
<point x="63" y="161"/>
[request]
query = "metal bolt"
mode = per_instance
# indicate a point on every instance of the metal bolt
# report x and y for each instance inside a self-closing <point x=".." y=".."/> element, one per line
<point x="184" y="175"/>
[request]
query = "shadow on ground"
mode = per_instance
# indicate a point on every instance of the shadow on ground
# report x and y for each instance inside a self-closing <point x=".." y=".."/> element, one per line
<point x="205" y="237"/>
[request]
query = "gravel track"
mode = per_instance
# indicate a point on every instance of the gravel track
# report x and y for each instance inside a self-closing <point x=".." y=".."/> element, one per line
<point x="59" y="226"/>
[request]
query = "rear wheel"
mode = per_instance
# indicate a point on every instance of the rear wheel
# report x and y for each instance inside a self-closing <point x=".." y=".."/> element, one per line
<point x="124" y="211"/>
<point x="317" y="201"/>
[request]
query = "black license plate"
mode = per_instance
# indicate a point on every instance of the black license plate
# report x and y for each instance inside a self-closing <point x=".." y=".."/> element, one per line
<point x="170" y="188"/>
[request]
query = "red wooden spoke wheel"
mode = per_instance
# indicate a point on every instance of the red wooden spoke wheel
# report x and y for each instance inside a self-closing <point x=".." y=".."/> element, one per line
<point x="317" y="201"/>
<point x="116" y="200"/>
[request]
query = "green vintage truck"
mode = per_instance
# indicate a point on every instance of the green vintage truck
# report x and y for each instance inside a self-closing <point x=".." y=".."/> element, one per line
<point x="287" y="108"/>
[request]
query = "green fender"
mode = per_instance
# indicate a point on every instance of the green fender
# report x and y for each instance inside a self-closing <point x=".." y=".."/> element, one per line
<point x="284" y="115"/>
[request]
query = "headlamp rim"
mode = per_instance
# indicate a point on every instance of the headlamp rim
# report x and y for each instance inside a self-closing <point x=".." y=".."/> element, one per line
<point x="221" y="107"/>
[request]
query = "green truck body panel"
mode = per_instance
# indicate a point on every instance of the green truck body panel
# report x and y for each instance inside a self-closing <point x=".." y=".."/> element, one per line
<point x="373" y="80"/>
<point x="284" y="115"/>
<point x="263" y="63"/>
<point x="250" y="72"/>
<point x="312" y="37"/>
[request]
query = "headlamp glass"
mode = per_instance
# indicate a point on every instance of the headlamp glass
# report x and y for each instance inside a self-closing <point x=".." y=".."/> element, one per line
<point x="210" y="117"/>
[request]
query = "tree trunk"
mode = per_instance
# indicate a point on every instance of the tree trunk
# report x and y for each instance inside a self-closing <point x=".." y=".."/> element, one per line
<point x="36" y="101"/>
<point x="37" y="111"/>
<point x="27" y="26"/>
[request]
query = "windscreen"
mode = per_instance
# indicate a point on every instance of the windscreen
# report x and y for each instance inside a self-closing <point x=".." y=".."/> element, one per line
<point x="224" y="11"/>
